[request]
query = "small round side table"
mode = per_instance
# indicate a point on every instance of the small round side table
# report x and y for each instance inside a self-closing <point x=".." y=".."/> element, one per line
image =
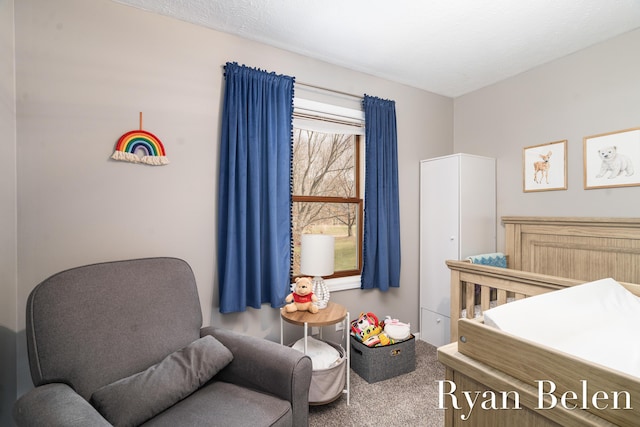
<point x="332" y="314"/>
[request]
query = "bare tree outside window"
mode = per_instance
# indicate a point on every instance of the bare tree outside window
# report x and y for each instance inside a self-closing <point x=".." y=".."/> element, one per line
<point x="326" y="195"/>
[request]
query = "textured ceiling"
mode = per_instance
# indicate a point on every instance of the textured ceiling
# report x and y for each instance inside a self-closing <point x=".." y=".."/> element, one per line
<point x="449" y="47"/>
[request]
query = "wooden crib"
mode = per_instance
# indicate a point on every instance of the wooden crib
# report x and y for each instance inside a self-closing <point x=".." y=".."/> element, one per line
<point x="565" y="251"/>
<point x="545" y="254"/>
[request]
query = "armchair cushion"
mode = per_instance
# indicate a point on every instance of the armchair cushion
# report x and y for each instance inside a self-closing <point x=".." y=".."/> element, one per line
<point x="267" y="367"/>
<point x="135" y="399"/>
<point x="56" y="405"/>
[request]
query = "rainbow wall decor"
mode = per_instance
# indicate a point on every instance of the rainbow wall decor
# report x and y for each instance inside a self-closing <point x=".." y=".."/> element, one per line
<point x="136" y="142"/>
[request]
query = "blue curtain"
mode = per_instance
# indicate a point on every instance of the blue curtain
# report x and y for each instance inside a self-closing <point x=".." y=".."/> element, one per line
<point x="254" y="216"/>
<point x="381" y="241"/>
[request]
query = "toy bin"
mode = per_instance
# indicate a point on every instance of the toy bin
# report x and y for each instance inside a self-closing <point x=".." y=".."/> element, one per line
<point x="375" y="364"/>
<point x="327" y="384"/>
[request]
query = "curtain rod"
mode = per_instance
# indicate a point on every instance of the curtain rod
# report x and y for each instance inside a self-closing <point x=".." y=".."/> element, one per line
<point x="360" y="97"/>
<point x="329" y="90"/>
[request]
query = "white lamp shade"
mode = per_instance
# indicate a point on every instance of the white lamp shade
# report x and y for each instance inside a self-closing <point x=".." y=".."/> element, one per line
<point x="317" y="254"/>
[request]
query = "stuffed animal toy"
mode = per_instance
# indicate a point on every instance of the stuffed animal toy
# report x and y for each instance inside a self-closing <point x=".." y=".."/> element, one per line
<point x="302" y="297"/>
<point x="396" y="330"/>
<point x="365" y="326"/>
<point x="378" y="340"/>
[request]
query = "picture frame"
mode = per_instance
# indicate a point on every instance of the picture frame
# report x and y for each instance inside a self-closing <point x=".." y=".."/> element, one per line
<point x="612" y="159"/>
<point x="544" y="167"/>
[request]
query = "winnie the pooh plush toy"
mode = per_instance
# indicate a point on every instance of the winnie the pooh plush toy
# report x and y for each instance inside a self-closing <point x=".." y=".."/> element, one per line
<point x="302" y="297"/>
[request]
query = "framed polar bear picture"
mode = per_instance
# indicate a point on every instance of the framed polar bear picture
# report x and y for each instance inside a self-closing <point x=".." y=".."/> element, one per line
<point x="612" y="159"/>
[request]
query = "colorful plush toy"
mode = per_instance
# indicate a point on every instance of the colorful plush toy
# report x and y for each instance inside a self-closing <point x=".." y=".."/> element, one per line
<point x="365" y="326"/>
<point x="378" y="340"/>
<point x="302" y="297"/>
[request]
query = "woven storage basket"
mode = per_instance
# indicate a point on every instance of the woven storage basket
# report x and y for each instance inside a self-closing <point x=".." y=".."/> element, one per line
<point x="380" y="363"/>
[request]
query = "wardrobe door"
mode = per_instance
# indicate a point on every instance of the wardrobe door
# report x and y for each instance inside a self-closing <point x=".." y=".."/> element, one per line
<point x="439" y="230"/>
<point x="457" y="219"/>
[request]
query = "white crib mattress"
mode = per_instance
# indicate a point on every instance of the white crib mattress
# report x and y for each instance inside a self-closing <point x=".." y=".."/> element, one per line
<point x="596" y="321"/>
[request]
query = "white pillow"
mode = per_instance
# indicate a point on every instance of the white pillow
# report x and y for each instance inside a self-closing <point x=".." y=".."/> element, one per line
<point x="323" y="355"/>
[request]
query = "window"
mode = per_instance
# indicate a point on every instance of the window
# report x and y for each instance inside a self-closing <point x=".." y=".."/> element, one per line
<point x="326" y="188"/>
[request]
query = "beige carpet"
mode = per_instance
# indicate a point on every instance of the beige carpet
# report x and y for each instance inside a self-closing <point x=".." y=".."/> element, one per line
<point x="407" y="400"/>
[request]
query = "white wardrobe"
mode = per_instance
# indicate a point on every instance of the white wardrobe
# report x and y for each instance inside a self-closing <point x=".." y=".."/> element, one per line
<point x="457" y="220"/>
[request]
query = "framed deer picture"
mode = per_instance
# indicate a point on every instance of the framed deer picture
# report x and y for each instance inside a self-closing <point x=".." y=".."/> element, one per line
<point x="544" y="167"/>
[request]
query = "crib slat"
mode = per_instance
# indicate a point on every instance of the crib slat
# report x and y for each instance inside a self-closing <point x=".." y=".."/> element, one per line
<point x="470" y="300"/>
<point x="502" y="297"/>
<point x="485" y="298"/>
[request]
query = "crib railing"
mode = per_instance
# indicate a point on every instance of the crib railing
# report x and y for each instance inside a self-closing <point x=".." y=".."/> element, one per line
<point x="497" y="286"/>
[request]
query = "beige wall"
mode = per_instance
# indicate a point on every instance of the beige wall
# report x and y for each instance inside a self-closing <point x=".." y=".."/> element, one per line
<point x="591" y="92"/>
<point x="84" y="71"/>
<point x="8" y="273"/>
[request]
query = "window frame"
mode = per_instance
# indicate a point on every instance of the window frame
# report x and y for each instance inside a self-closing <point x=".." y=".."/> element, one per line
<point x="345" y="111"/>
<point x="356" y="200"/>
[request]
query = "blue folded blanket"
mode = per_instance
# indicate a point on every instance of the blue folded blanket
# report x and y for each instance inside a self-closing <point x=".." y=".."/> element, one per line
<point x="496" y="259"/>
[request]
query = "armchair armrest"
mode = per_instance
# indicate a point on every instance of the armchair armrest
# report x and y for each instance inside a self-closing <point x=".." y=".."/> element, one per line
<point x="56" y="405"/>
<point x="268" y="367"/>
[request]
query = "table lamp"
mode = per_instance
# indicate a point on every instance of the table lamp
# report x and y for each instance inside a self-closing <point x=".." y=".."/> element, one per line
<point x="316" y="259"/>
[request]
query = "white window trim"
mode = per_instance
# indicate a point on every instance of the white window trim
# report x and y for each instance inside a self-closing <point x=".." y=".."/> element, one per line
<point x="322" y="109"/>
<point x="327" y="118"/>
<point x="339" y="283"/>
<point x="343" y="283"/>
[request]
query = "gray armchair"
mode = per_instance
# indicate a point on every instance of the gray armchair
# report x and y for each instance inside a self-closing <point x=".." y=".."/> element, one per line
<point x="121" y="343"/>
